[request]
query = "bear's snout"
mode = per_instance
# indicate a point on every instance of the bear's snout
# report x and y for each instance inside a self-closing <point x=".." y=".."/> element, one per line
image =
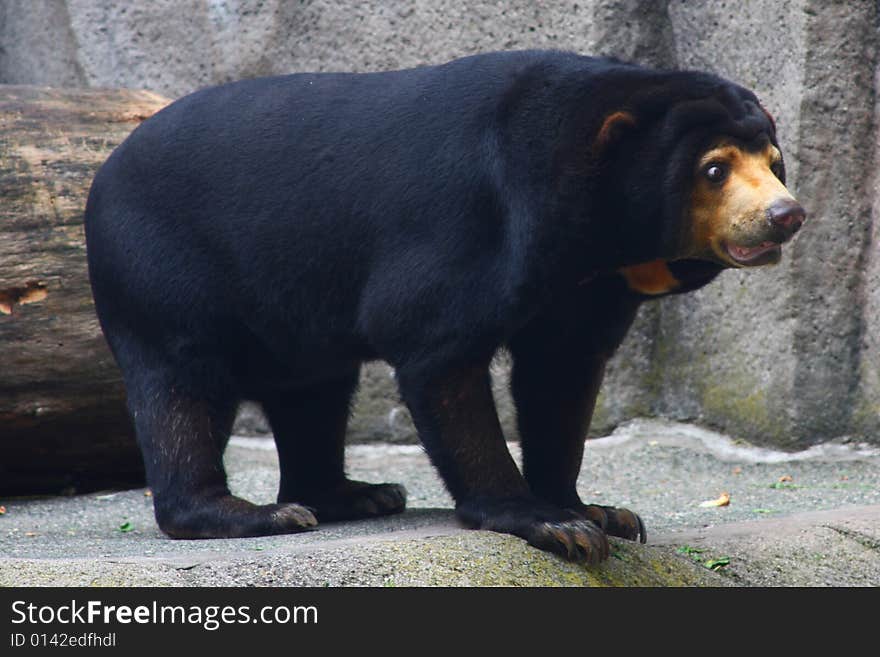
<point x="786" y="216"/>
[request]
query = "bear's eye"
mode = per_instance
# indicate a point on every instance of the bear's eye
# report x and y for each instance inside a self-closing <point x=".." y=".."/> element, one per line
<point x="776" y="168"/>
<point x="715" y="172"/>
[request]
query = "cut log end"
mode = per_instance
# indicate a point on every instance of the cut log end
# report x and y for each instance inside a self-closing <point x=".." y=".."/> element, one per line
<point x="63" y="422"/>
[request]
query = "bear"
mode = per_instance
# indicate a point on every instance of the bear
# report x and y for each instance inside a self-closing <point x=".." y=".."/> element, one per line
<point x="262" y="239"/>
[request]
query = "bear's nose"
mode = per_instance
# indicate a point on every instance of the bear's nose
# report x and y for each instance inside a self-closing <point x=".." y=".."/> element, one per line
<point x="787" y="215"/>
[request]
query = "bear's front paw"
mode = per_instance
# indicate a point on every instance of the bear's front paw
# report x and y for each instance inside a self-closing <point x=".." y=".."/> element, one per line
<point x="541" y="525"/>
<point x="575" y="540"/>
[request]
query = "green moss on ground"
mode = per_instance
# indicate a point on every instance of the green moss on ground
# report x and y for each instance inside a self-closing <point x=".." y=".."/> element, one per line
<point x="482" y="559"/>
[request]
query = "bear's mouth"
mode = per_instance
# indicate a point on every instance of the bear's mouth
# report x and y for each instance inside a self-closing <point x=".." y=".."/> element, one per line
<point x="764" y="253"/>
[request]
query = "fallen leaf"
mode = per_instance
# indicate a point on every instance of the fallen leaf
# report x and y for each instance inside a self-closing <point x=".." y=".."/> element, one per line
<point x="717" y="564"/>
<point x="30" y="533"/>
<point x="692" y="552"/>
<point x="785" y="478"/>
<point x="126" y="527"/>
<point x="723" y="500"/>
<point x="2" y="510"/>
<point x="148" y="493"/>
<point x="737" y="470"/>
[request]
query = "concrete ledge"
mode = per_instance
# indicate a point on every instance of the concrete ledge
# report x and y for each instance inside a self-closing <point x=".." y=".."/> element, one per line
<point x="830" y="548"/>
<point x="436" y="554"/>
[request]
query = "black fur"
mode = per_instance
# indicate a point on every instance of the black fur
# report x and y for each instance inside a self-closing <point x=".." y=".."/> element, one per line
<point x="261" y="239"/>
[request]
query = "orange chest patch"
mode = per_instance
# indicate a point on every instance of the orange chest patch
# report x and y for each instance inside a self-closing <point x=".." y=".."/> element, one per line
<point x="650" y="278"/>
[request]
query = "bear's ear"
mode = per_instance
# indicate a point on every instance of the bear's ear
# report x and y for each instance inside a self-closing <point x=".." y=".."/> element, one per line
<point x="769" y="117"/>
<point x="613" y="126"/>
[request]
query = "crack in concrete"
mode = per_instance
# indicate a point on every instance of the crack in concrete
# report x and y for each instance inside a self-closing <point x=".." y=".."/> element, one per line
<point x="862" y="539"/>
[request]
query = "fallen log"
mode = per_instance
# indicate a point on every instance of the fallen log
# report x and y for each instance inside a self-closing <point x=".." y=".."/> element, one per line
<point x="63" y="423"/>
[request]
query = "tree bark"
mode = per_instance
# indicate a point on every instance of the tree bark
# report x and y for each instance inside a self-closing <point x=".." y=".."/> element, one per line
<point x="63" y="422"/>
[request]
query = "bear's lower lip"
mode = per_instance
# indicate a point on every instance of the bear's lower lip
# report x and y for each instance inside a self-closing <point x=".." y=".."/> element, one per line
<point x="764" y="253"/>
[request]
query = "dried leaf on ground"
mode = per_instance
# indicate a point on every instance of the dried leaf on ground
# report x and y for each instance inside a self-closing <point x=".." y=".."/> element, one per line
<point x="721" y="500"/>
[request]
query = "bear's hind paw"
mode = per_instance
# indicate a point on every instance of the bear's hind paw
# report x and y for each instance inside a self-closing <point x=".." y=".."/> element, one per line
<point x="355" y="500"/>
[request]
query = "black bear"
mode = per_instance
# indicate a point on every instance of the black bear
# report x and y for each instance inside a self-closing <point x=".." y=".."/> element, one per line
<point x="261" y="239"/>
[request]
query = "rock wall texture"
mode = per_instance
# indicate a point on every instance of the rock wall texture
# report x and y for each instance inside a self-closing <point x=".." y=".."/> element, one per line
<point x="785" y="356"/>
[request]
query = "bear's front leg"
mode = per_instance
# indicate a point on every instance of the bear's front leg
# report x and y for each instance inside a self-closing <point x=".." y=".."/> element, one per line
<point x="455" y="415"/>
<point x="558" y="364"/>
<point x="554" y="401"/>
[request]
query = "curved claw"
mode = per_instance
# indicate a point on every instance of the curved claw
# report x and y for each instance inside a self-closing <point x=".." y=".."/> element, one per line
<point x="576" y="540"/>
<point x="596" y="537"/>
<point x="596" y="514"/>
<point x="643" y="533"/>
<point x="621" y="523"/>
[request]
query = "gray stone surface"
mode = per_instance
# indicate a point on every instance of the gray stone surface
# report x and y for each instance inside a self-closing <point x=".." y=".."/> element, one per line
<point x="786" y="356"/>
<point x="174" y="47"/>
<point x="808" y="518"/>
<point x="774" y="355"/>
<point x="866" y="414"/>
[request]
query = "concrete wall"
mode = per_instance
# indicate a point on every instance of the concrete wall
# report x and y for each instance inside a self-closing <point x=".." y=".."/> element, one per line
<point x="785" y="356"/>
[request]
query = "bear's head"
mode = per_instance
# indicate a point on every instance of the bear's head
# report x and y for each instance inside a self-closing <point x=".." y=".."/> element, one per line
<point x="740" y="210"/>
<point x="689" y="169"/>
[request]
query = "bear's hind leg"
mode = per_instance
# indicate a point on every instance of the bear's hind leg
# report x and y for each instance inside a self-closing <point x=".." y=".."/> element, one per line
<point x="182" y="437"/>
<point x="309" y="426"/>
